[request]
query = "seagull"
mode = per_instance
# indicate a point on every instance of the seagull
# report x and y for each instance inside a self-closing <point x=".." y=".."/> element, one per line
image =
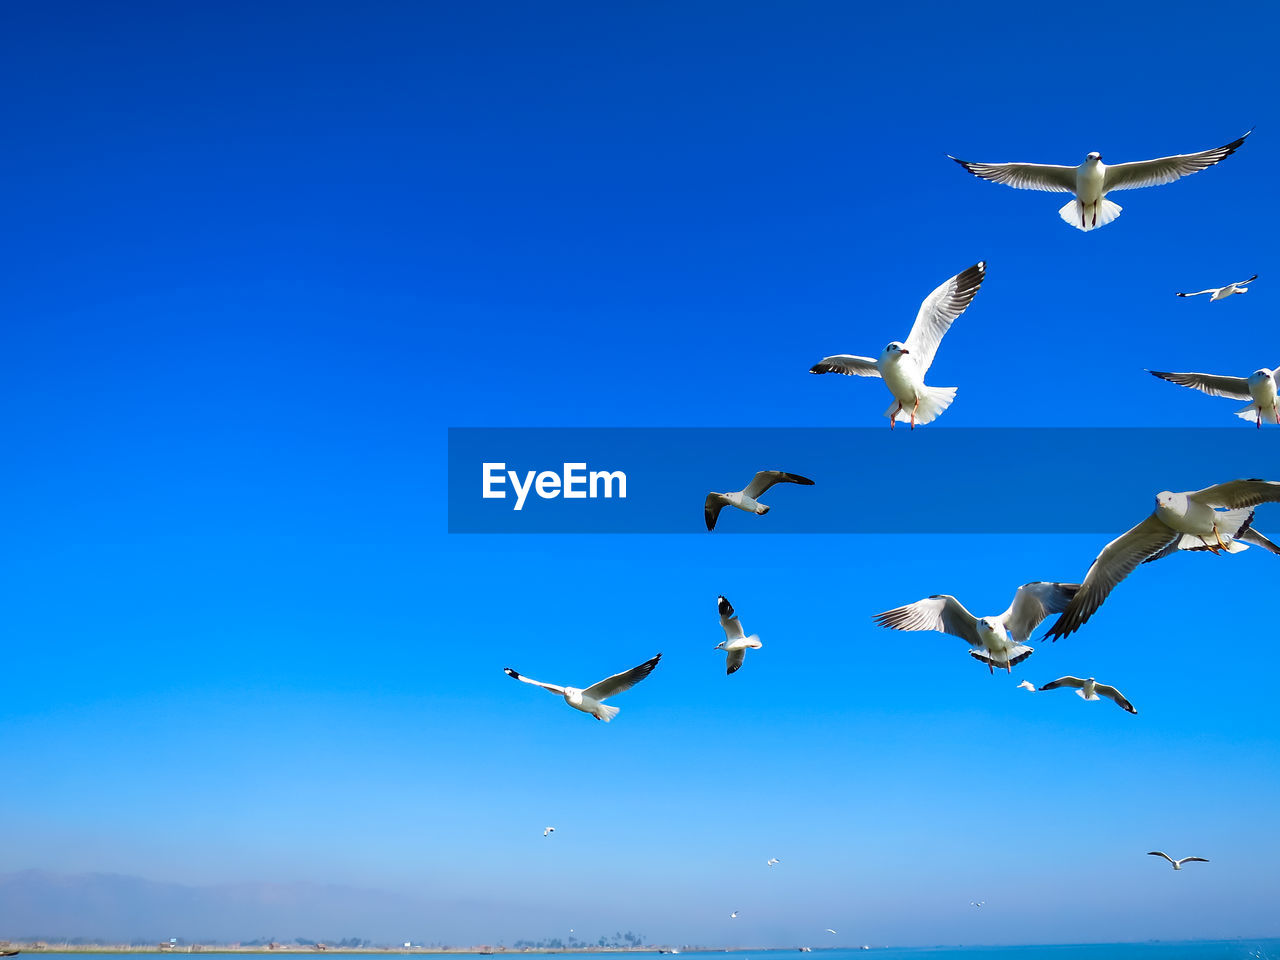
<point x="1259" y="388"/>
<point x="1090" y="689"/>
<point x="1177" y="864"/>
<point x="734" y="915"/>
<point x="976" y="903"/>
<point x="1221" y="293"/>
<point x="747" y="498"/>
<point x="550" y="830"/>
<point x="772" y="861"/>
<point x="998" y="641"/>
<point x="591" y="699"/>
<point x="902" y="366"/>
<point x="1221" y="513"/>
<point x="1027" y="685"/>
<point x="734" y="642"/>
<point x="1093" y="179"/>
<point x="829" y="930"/>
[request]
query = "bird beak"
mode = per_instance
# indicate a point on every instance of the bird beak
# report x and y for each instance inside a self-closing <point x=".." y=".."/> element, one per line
<point x="904" y="351"/>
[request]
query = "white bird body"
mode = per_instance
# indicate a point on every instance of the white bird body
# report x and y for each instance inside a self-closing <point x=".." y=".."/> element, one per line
<point x="1259" y="388"/>
<point x="1092" y="180"/>
<point x="772" y="861"/>
<point x="735" y="642"/>
<point x="1027" y="685"/>
<point x="1221" y="293"/>
<point x="903" y="366"/>
<point x="591" y="700"/>
<point x="1177" y="864"/>
<point x="747" y="498"/>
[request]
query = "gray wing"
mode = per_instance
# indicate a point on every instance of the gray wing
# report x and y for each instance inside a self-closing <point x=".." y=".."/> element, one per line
<point x="765" y="479"/>
<point x="941" y="612"/>
<point x="1193" y="860"/>
<point x="1025" y="176"/>
<point x="1063" y="682"/>
<point x="1035" y="601"/>
<point x="1238" y="544"/>
<point x="1256" y="538"/>
<point x="1111" y="693"/>
<point x="729" y="620"/>
<point x="1234" y="388"/>
<point x="939" y="310"/>
<point x="734" y="660"/>
<point x="1116" y="561"/>
<point x="712" y="507"/>
<point x="847" y="364"/>
<point x="1237" y="494"/>
<point x="1159" y="853"/>
<point x="612" y="686"/>
<point x="1149" y="173"/>
<point x="537" y="683"/>
<point x="1241" y="283"/>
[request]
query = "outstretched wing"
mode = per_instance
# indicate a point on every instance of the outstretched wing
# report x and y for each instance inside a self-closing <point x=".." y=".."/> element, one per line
<point x="1149" y="173"/>
<point x="1234" y="388"/>
<point x="611" y="686"/>
<point x="1111" y="693"/>
<point x="1035" y="601"/>
<point x="939" y="310"/>
<point x="537" y="683"/>
<point x="1193" y="860"/>
<point x="729" y="620"/>
<point x="735" y="660"/>
<point x="1025" y="176"/>
<point x="1160" y="853"/>
<point x="1241" y="283"/>
<point x="1197" y="293"/>
<point x="1063" y="682"/>
<point x="1116" y="561"/>
<point x="941" y="612"/>
<point x="847" y="364"/>
<point x="765" y="479"/>
<point x="1237" y="494"/>
<point x="712" y="507"/>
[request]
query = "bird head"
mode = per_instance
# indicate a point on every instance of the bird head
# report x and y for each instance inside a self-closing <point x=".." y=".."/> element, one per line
<point x="1094" y="157"/>
<point x="1261" y="374"/>
<point x="720" y="645"/>
<point x="897" y="347"/>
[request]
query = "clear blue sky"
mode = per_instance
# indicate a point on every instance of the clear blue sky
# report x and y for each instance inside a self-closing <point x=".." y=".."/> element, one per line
<point x="258" y="260"/>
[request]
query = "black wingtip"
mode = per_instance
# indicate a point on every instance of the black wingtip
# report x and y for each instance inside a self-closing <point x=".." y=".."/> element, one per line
<point x="510" y="673"/>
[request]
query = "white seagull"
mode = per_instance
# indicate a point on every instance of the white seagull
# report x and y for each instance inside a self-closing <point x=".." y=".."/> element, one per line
<point x="1212" y="518"/>
<point x="748" y="498"/>
<point x="903" y="366"/>
<point x="1221" y="293"/>
<point x="735" y="643"/>
<point x="976" y="903"/>
<point x="1027" y="685"/>
<point x="998" y="641"/>
<point x="734" y="915"/>
<point x="547" y="832"/>
<point x="1090" y="689"/>
<point x="772" y="861"/>
<point x="1177" y="864"/>
<point x="829" y="930"/>
<point x="1259" y="388"/>
<point x="591" y="700"/>
<point x="1092" y="180"/>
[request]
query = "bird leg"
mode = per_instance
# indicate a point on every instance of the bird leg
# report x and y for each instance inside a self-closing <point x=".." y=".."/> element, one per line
<point x="1219" y="536"/>
<point x="1095" y="212"/>
<point x="1209" y="546"/>
<point x="894" y="418"/>
<point x="1259" y="418"/>
<point x="913" y="413"/>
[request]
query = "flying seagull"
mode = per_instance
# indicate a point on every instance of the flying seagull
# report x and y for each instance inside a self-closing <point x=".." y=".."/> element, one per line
<point x="748" y="498"/>
<point x="550" y="830"/>
<point x="829" y="930"/>
<point x="902" y="366"/>
<point x="772" y="861"/>
<point x="1177" y="864"/>
<point x="1090" y="689"/>
<point x="734" y="642"/>
<point x="1093" y="179"/>
<point x="734" y="915"/>
<point x="1214" y="516"/>
<point x="1259" y="388"/>
<point x="1221" y="293"/>
<point x="997" y="641"/>
<point x="591" y="699"/>
<point x="976" y="903"/>
<point x="1027" y="685"/>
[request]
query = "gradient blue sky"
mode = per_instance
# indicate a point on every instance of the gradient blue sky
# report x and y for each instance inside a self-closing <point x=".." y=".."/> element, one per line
<point x="260" y="257"/>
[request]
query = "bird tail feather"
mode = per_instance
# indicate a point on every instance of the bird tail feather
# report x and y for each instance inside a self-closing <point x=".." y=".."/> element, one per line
<point x="753" y="642"/>
<point x="605" y="712"/>
<point x="1250" y="412"/>
<point x="1232" y="523"/>
<point x="1084" y="219"/>
<point x="933" y="402"/>
<point x="1018" y="654"/>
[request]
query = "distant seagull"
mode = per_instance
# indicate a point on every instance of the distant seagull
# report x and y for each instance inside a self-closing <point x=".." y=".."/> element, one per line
<point x="1090" y="689"/>
<point x="829" y="930"/>
<point x="1221" y="293"/>
<point x="591" y="699"/>
<point x="734" y="642"/>
<point x="1093" y="179"/>
<point x="748" y="498"/>
<point x="734" y="915"/>
<point x="999" y="641"/>
<point x="1177" y="864"/>
<point x="1027" y="685"/>
<point x="1259" y="388"/>
<point x="903" y="366"/>
<point x="550" y="830"/>
<point x="772" y="861"/>
<point x="976" y="903"/>
<point x="1219" y="513"/>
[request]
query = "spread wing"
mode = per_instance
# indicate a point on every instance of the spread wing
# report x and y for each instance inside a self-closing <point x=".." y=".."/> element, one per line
<point x="765" y="479"/>
<point x="939" y="310"/>
<point x="729" y="620"/>
<point x="1243" y="282"/>
<point x="1237" y="494"/>
<point x="1149" y="173"/>
<point x="1025" y="176"/>
<point x="847" y="364"/>
<point x="1033" y="602"/>
<point x="1063" y="682"/>
<point x="1116" y="561"/>
<point x="1111" y="693"/>
<point x="1159" y="853"/>
<point x="735" y="659"/>
<point x="537" y="683"/>
<point x="1198" y="292"/>
<point x="1234" y="388"/>
<point x="711" y="509"/>
<point x="941" y="612"/>
<point x="1193" y="860"/>
<point x="612" y="686"/>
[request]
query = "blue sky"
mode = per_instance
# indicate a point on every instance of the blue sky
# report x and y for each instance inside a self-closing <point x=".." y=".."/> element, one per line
<point x="258" y="260"/>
